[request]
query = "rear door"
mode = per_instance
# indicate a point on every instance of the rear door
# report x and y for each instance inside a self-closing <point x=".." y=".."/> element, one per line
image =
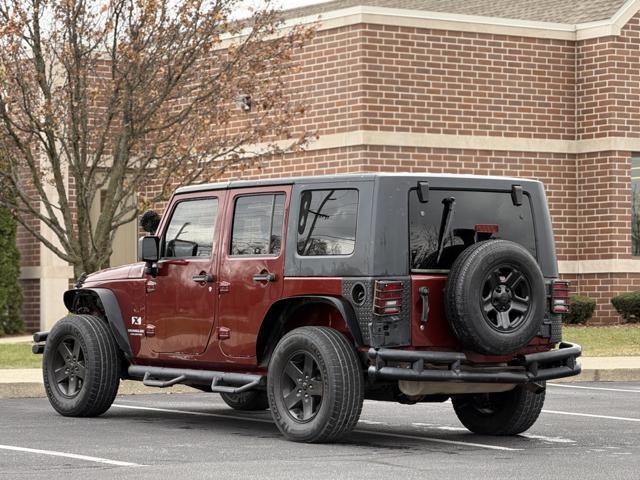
<point x="251" y="266"/>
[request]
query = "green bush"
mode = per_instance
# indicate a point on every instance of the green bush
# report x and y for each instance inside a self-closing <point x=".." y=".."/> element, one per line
<point x="628" y="306"/>
<point x="10" y="292"/>
<point x="581" y="310"/>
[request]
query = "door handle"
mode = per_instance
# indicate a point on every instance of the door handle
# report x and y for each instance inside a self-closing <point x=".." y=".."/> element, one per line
<point x="265" y="277"/>
<point x="203" y="278"/>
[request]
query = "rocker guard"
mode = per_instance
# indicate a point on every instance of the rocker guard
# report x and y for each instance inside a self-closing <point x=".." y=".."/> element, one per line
<point x="453" y="366"/>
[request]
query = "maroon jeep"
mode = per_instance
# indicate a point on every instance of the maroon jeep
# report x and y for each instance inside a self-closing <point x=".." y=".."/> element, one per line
<point x="308" y="295"/>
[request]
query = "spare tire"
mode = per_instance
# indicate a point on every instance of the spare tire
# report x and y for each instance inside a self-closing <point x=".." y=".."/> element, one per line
<point x="495" y="297"/>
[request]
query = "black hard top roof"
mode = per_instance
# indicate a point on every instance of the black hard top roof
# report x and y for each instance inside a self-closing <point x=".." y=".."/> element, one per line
<point x="477" y="180"/>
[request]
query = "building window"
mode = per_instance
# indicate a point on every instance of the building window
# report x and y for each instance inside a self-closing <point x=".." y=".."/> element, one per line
<point x="635" y="204"/>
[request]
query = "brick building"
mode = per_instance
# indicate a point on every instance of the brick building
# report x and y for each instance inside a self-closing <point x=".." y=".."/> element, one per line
<point x="547" y="90"/>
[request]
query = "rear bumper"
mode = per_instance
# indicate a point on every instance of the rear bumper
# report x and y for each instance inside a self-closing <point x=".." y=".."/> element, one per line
<point x="454" y="367"/>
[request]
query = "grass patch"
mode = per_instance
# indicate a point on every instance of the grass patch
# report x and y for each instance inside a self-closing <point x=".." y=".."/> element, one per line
<point x="612" y="341"/>
<point x="18" y="355"/>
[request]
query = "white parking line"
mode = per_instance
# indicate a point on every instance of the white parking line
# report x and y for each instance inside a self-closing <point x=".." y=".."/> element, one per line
<point x="187" y="412"/>
<point x="593" y="388"/>
<point x="439" y="440"/>
<point x="590" y="415"/>
<point x="368" y="432"/>
<point x="547" y="439"/>
<point x="70" y="455"/>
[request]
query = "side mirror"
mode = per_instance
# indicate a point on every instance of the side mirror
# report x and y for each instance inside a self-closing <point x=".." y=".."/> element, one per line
<point x="149" y="252"/>
<point x="150" y="221"/>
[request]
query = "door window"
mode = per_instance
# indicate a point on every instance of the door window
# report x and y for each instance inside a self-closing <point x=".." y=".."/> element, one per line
<point x="190" y="231"/>
<point x="257" y="225"/>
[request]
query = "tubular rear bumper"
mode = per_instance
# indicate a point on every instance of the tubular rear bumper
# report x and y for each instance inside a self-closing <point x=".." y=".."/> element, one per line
<point x="453" y="367"/>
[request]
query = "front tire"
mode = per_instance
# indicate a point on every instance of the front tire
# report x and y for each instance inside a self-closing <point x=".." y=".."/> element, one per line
<point x="505" y="413"/>
<point x="81" y="366"/>
<point x="246" y="401"/>
<point x="315" y="385"/>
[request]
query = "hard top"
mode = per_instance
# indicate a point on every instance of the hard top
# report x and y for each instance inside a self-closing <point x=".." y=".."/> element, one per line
<point x="472" y="180"/>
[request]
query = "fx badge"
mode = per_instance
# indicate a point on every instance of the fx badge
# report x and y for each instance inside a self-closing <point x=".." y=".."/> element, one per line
<point x="136" y="320"/>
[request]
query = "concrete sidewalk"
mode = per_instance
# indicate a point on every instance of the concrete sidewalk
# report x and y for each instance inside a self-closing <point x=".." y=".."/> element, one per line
<point x="16" y="339"/>
<point x="27" y="382"/>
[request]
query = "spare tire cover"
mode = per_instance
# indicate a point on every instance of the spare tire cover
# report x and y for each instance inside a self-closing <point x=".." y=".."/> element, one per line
<point x="495" y="297"/>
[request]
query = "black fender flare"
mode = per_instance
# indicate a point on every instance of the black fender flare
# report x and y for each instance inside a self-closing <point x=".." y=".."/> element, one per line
<point x="111" y="310"/>
<point x="345" y="309"/>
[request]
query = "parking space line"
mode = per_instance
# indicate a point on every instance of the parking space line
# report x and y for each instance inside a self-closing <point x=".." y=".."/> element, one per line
<point x="560" y="385"/>
<point x="368" y="432"/>
<point x="439" y="440"/>
<point x="591" y="415"/>
<point x="70" y="455"/>
<point x="187" y="412"/>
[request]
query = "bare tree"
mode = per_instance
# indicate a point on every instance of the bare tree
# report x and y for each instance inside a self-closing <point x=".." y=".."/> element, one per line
<point x="98" y="97"/>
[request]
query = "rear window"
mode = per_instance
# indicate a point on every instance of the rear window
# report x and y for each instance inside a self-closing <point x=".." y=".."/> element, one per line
<point x="473" y="216"/>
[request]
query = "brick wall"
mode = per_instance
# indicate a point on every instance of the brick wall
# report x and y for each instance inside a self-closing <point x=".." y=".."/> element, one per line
<point x="608" y="84"/>
<point x="604" y="205"/>
<point x="434" y="81"/>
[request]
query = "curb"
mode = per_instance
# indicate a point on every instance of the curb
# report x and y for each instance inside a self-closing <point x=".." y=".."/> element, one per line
<point x="127" y="387"/>
<point x="604" y="375"/>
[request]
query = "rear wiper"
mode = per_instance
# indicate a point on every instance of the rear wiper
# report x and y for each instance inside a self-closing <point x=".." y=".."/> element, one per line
<point x="445" y="223"/>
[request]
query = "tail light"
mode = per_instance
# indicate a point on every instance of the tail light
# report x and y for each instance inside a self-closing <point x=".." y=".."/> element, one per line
<point x="559" y="297"/>
<point x="387" y="298"/>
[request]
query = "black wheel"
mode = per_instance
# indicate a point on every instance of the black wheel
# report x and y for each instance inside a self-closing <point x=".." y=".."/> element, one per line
<point x="81" y="366"/>
<point x="505" y="413"/>
<point x="315" y="385"/>
<point x="495" y="297"/>
<point x="252" y="400"/>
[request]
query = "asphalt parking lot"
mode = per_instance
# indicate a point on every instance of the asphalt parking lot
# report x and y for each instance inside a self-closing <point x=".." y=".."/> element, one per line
<point x="588" y="430"/>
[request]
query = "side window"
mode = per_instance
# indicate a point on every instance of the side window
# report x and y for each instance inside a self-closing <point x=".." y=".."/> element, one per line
<point x="257" y="225"/>
<point x="190" y="231"/>
<point x="327" y="223"/>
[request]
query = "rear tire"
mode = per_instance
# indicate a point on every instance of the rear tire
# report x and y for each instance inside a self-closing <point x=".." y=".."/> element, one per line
<point x="81" y="366"/>
<point x="505" y="413"/>
<point x="315" y="385"/>
<point x="246" y="401"/>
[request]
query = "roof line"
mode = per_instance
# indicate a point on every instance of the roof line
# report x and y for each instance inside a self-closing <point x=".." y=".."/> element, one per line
<point x="469" y="23"/>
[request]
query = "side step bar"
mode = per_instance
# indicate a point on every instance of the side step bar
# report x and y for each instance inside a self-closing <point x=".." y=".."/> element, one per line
<point x="220" y="382"/>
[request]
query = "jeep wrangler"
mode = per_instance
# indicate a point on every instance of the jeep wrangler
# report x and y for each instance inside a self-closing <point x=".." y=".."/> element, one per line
<point x="308" y="295"/>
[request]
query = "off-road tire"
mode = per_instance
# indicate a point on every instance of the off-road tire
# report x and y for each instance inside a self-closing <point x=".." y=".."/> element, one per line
<point x="464" y="297"/>
<point x="247" y="401"/>
<point x="336" y="365"/>
<point x="99" y="356"/>
<point x="505" y="413"/>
